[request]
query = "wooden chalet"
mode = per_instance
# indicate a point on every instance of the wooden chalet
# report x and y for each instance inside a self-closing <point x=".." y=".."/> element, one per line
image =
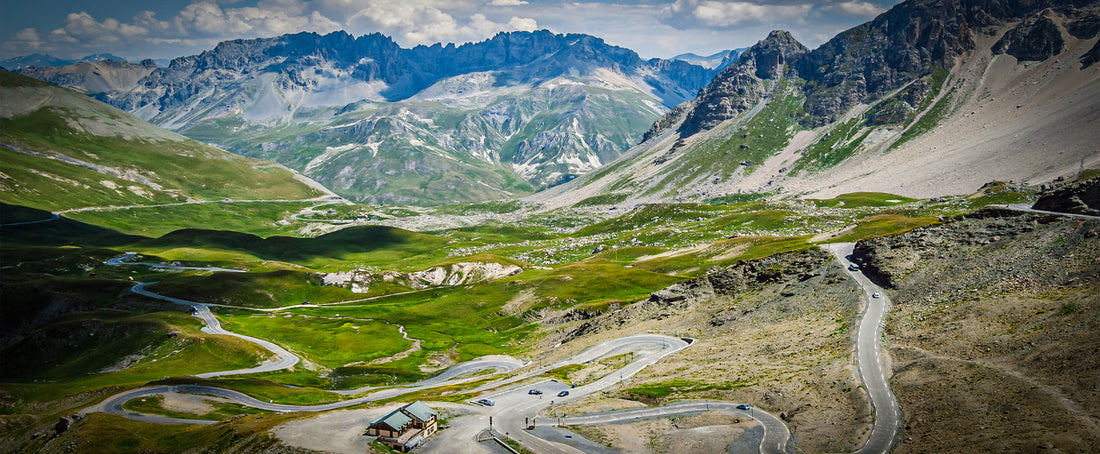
<point x="405" y="428"/>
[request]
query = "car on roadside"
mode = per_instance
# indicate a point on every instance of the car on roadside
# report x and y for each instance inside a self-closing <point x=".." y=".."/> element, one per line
<point x="534" y="392"/>
<point x="563" y="393"/>
<point x="853" y="267"/>
<point x="744" y="407"/>
<point x="486" y="402"/>
<point x="876" y="295"/>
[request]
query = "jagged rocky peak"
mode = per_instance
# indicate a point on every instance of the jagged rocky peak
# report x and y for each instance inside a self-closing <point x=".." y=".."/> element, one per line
<point x="768" y="57"/>
<point x="737" y="88"/>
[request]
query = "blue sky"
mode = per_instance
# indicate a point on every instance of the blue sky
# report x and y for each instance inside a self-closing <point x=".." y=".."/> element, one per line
<point x="164" y="29"/>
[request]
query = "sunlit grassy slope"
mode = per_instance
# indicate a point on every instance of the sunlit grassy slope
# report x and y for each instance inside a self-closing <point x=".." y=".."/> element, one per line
<point x="61" y="150"/>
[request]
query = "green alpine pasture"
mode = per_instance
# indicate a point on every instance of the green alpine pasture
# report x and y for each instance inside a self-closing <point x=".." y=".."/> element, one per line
<point x="572" y="258"/>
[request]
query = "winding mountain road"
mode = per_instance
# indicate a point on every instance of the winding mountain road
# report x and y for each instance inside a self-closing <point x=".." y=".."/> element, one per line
<point x="515" y="404"/>
<point x="776" y="434"/>
<point x="116" y="261"/>
<point x="286" y="358"/>
<point x="886" y="410"/>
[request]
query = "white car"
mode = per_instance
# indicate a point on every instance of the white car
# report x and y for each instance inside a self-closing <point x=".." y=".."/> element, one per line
<point x="876" y="295"/>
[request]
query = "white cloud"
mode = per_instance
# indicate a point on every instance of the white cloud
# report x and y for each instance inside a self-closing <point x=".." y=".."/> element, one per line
<point x="26" y="35"/>
<point x="856" y="9"/>
<point x="525" y="24"/>
<point x="413" y="22"/>
<point x="23" y="42"/>
<point x="83" y="26"/>
<point x="507" y="3"/>
<point x="714" y="14"/>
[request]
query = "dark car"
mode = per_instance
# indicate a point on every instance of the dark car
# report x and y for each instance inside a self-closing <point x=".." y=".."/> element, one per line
<point x="563" y="393"/>
<point x="534" y="392"/>
<point x="743" y="407"/>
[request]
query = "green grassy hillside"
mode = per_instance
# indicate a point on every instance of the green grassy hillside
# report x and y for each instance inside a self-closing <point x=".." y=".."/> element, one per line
<point x="61" y="150"/>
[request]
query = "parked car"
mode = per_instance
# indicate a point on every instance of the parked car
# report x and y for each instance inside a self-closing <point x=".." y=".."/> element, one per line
<point x="486" y="402"/>
<point x="534" y="392"/>
<point x="876" y="295"/>
<point x="853" y="267"/>
<point x="743" y="407"/>
<point x="563" y="393"/>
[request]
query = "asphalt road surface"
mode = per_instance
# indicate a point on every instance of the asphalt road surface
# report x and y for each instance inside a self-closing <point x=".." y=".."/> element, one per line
<point x="1027" y="207"/>
<point x="285" y="361"/>
<point x="122" y="261"/>
<point x="776" y="433"/>
<point x="887" y="413"/>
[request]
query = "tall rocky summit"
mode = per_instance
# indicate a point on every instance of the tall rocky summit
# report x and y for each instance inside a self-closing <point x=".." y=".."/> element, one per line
<point x="865" y="63"/>
<point x="739" y="87"/>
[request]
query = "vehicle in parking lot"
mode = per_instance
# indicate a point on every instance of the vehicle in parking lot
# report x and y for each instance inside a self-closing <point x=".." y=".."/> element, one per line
<point x="563" y="393"/>
<point x="743" y="407"/>
<point x="486" y="402"/>
<point x="534" y="392"/>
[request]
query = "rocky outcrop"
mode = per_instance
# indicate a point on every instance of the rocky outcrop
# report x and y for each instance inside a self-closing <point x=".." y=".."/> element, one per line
<point x="1092" y="56"/>
<point x="746" y="276"/>
<point x="1079" y="198"/>
<point x="668" y="120"/>
<point x="886" y="259"/>
<point x="461" y="273"/>
<point x="1034" y="39"/>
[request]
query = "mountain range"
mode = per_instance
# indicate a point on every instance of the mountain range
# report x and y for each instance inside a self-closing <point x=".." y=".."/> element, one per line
<point x="716" y="61"/>
<point x="917" y="102"/>
<point x="380" y="123"/>
<point x="928" y="99"/>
